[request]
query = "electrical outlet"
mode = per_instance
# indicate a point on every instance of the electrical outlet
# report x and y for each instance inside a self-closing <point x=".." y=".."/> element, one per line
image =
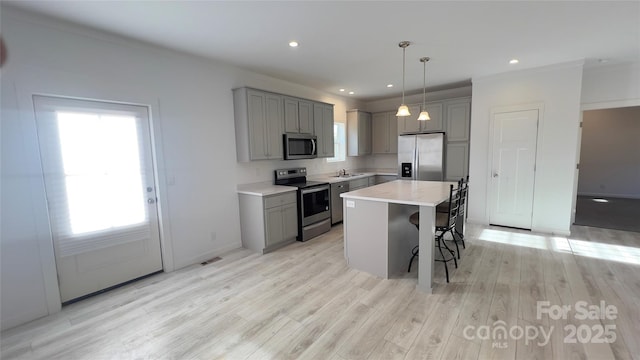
<point x="213" y="236"/>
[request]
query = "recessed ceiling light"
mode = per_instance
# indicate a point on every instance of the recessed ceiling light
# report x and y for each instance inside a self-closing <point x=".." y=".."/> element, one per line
<point x="514" y="61"/>
<point x="293" y="44"/>
<point x="341" y="90"/>
<point x="389" y="85"/>
<point x="351" y="93"/>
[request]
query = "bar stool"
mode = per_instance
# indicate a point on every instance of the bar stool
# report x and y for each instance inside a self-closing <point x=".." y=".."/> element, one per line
<point x="444" y="208"/>
<point x="445" y="222"/>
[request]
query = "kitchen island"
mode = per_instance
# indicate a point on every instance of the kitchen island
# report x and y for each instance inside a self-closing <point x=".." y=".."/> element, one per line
<point x="378" y="237"/>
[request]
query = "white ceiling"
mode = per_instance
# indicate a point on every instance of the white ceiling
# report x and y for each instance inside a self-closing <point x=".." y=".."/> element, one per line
<point x="354" y="45"/>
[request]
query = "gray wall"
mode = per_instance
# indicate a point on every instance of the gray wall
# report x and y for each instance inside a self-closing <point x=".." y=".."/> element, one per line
<point x="610" y="153"/>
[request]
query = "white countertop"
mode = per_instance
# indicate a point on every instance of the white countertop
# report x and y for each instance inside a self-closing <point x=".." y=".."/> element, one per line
<point x="264" y="189"/>
<point x="267" y="188"/>
<point x="354" y="176"/>
<point x="409" y="192"/>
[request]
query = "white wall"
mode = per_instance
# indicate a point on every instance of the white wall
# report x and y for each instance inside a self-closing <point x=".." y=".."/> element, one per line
<point x="611" y="86"/>
<point x="558" y="89"/>
<point x="610" y="153"/>
<point x="192" y="115"/>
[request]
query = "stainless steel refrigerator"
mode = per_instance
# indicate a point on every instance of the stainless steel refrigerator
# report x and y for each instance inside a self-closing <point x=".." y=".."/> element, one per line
<point x="421" y="157"/>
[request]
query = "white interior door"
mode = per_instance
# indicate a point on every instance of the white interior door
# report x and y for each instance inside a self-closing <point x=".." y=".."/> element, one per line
<point x="513" y="168"/>
<point x="101" y="193"/>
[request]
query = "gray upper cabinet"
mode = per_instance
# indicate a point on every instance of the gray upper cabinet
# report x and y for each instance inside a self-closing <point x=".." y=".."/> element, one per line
<point x="384" y="133"/>
<point x="457" y="161"/>
<point x="411" y="124"/>
<point x="298" y="116"/>
<point x="358" y="133"/>
<point x="458" y="116"/>
<point x="323" y="129"/>
<point x="458" y="119"/>
<point x="259" y="126"/>
<point x="262" y="117"/>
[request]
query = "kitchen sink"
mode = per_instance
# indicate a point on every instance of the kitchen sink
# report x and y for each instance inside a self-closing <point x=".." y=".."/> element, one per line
<point x="347" y="175"/>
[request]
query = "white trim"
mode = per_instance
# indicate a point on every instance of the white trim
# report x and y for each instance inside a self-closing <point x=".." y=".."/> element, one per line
<point x="576" y="170"/>
<point x="551" y="231"/>
<point x="610" y="104"/>
<point x="210" y="254"/>
<point x="46" y="254"/>
<point x="164" y="223"/>
<point x="510" y="74"/>
<point x="539" y="106"/>
<point x="603" y="195"/>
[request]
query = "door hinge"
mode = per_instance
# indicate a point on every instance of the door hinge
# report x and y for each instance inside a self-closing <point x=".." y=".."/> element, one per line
<point x="578" y="166"/>
<point x="580" y="123"/>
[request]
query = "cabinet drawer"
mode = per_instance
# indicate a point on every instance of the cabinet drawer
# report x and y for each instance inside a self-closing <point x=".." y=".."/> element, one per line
<point x="278" y="200"/>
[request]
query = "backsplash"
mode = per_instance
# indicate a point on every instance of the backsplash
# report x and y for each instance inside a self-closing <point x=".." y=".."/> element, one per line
<point x="258" y="171"/>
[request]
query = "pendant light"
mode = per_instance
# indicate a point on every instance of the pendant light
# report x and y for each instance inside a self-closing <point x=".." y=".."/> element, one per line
<point x="424" y="114"/>
<point x="403" y="110"/>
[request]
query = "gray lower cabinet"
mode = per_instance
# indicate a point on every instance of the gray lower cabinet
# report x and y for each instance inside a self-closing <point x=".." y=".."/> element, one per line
<point x="358" y="183"/>
<point x="258" y="123"/>
<point x="336" y="201"/>
<point x="379" y="179"/>
<point x="268" y="222"/>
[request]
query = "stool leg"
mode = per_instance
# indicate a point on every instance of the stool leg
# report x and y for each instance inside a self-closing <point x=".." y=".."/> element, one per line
<point x="446" y="269"/>
<point x="453" y="253"/>
<point x="455" y="242"/>
<point x="461" y="238"/>
<point x="415" y="254"/>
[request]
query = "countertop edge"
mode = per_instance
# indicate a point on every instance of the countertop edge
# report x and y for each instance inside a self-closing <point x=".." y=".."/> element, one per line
<point x="390" y="201"/>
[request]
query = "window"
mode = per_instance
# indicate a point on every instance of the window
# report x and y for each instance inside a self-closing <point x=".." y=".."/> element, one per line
<point x="339" y="143"/>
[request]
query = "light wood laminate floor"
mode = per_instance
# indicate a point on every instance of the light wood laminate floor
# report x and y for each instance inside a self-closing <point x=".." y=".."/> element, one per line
<point x="303" y="302"/>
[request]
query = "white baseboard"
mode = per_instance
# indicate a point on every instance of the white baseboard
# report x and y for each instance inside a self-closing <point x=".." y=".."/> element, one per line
<point x="208" y="255"/>
<point x="551" y="231"/>
<point x="622" y="196"/>
<point x="10" y="321"/>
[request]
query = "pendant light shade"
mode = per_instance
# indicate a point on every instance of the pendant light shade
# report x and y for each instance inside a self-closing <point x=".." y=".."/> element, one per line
<point x="424" y="114"/>
<point x="403" y="110"/>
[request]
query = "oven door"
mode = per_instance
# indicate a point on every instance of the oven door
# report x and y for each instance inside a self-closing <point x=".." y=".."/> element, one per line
<point x="314" y="204"/>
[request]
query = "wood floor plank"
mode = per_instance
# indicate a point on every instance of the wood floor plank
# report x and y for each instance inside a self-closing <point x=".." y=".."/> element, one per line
<point x="460" y="349"/>
<point x="304" y="302"/>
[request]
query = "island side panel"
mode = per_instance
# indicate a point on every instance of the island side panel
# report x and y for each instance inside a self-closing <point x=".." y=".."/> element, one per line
<point x="403" y="236"/>
<point x="426" y="238"/>
<point x="365" y="236"/>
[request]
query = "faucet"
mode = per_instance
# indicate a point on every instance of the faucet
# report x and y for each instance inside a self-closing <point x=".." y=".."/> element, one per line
<point x="342" y="172"/>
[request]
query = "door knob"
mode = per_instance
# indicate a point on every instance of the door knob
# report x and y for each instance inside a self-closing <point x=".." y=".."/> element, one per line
<point x="495" y="174"/>
<point x="151" y="201"/>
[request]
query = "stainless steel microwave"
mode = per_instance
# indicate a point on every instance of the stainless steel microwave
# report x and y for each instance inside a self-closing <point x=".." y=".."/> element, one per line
<point x="299" y="146"/>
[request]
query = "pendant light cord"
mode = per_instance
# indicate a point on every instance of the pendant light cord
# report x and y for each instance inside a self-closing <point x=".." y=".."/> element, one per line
<point x="404" y="51"/>
<point x="424" y="85"/>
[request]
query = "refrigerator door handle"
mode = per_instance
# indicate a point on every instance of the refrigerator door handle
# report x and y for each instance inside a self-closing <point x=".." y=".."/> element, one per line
<point x="416" y="164"/>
